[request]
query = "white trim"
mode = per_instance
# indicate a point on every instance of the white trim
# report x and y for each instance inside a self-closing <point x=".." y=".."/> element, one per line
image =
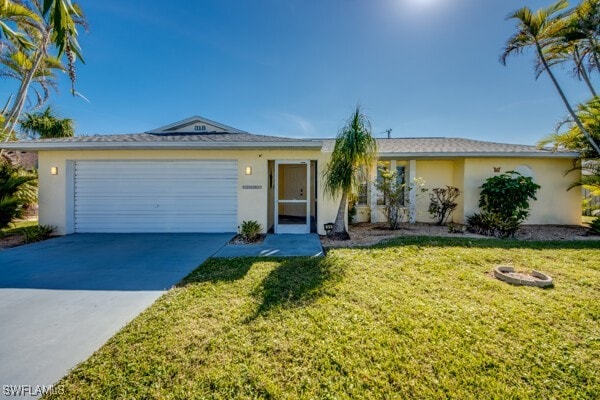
<point x="478" y="154"/>
<point x="298" y="229"/>
<point x="70" y="197"/>
<point x="195" y="118"/>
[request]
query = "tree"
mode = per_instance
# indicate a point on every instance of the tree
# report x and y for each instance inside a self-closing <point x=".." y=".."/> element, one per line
<point x="10" y="12"/>
<point x="46" y="125"/>
<point x="16" y="64"/>
<point x="354" y="148"/>
<point x="55" y="27"/>
<point x="541" y="30"/>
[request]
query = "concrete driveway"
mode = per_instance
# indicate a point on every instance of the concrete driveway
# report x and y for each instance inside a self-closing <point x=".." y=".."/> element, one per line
<point x="61" y="299"/>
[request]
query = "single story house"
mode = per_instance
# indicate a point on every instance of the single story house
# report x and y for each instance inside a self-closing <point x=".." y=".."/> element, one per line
<point x="199" y="175"/>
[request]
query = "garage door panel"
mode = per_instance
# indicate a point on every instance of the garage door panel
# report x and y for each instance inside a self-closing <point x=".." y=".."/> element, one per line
<point x="156" y="196"/>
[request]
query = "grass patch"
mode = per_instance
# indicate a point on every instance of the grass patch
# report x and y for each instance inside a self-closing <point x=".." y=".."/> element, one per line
<point x="413" y="318"/>
<point x="16" y="228"/>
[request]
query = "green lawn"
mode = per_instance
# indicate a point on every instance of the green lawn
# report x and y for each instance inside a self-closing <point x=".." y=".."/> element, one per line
<point x="415" y="318"/>
<point x="15" y="227"/>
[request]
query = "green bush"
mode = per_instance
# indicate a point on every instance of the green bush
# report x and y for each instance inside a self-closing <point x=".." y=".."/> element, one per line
<point x="489" y="224"/>
<point x="14" y="186"/>
<point x="504" y="200"/>
<point x="37" y="233"/>
<point x="251" y="230"/>
<point x="594" y="226"/>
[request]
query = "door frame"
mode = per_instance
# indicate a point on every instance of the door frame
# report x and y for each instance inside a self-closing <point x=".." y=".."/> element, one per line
<point x="297" y="229"/>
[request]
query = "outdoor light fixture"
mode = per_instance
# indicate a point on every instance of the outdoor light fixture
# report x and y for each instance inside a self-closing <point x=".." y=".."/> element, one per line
<point x="248" y="170"/>
<point x="54" y="170"/>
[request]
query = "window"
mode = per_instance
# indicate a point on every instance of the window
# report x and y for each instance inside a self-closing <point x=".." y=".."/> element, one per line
<point x="381" y="166"/>
<point x="362" y="195"/>
<point x="400" y="179"/>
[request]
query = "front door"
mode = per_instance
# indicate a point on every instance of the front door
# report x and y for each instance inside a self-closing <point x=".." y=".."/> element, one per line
<point x="292" y="194"/>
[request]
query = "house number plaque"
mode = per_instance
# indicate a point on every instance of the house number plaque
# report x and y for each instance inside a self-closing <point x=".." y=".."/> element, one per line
<point x="252" y="187"/>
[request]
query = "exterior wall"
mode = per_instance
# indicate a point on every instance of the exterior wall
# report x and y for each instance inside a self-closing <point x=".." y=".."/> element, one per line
<point x="555" y="205"/>
<point x="56" y="191"/>
<point x="435" y="173"/>
<point x="458" y="216"/>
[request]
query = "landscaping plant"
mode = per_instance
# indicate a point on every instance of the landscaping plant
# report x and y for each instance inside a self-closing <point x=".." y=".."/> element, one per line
<point x="14" y="185"/>
<point x="442" y="203"/>
<point x="250" y="230"/>
<point x="594" y="226"/>
<point x="504" y="200"/>
<point x="37" y="233"/>
<point x="394" y="192"/>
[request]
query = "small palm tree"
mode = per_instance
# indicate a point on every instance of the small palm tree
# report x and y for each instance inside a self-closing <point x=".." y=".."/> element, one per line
<point x="541" y="30"/>
<point x="354" y="148"/>
<point x="47" y="125"/>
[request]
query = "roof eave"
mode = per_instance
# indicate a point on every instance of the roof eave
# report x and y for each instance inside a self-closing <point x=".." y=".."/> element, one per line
<point x="517" y="154"/>
<point x="37" y="146"/>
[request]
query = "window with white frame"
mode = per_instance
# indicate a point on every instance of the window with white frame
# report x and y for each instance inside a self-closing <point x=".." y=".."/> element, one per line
<point x="362" y="194"/>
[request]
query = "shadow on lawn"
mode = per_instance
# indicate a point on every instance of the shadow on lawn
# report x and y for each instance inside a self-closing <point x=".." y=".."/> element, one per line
<point x="296" y="282"/>
<point x="215" y="270"/>
<point x="430" y="241"/>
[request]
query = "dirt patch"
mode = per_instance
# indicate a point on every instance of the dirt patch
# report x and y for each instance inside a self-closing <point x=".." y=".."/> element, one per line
<point x="11" y="241"/>
<point x="366" y="234"/>
<point x="239" y="239"/>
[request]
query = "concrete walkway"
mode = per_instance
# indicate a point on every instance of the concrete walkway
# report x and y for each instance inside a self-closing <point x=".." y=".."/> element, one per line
<point x="60" y="300"/>
<point x="285" y="245"/>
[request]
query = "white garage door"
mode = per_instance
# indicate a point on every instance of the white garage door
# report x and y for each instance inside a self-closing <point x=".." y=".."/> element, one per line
<point x="155" y="196"/>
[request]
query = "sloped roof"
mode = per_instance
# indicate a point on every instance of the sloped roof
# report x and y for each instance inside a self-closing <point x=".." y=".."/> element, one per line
<point x="190" y="133"/>
<point x="454" y="147"/>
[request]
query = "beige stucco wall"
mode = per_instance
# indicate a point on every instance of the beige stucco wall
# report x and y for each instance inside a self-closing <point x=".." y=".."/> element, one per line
<point x="56" y="191"/>
<point x="555" y="205"/>
<point x="434" y="173"/>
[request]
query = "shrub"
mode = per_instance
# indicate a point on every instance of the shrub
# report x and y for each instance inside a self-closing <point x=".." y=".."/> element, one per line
<point x="394" y="193"/>
<point x="442" y="203"/>
<point x="250" y="230"/>
<point x="37" y="233"/>
<point x="14" y="186"/>
<point x="594" y="226"/>
<point x="489" y="224"/>
<point x="504" y="200"/>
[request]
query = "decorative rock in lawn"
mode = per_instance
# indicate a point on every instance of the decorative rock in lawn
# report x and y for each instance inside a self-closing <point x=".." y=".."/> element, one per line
<point x="508" y="274"/>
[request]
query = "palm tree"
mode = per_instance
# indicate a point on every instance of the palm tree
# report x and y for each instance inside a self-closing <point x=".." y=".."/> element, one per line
<point x="540" y="30"/>
<point x="11" y="12"/>
<point x="46" y="125"/>
<point x="354" y="148"/>
<point x="15" y="64"/>
<point x="57" y="26"/>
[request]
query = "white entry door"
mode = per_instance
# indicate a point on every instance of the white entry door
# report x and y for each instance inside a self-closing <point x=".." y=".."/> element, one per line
<point x="292" y="194"/>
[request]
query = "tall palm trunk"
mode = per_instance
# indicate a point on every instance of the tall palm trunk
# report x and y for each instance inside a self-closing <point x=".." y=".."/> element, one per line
<point x="582" y="71"/>
<point x="339" y="226"/>
<point x="564" y="99"/>
<point x="17" y="109"/>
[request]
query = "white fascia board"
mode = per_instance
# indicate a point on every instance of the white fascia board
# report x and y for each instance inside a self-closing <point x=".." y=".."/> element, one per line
<point x="448" y="155"/>
<point x="24" y="146"/>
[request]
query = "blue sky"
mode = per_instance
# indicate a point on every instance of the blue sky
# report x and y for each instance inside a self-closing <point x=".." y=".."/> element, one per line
<point x="298" y="67"/>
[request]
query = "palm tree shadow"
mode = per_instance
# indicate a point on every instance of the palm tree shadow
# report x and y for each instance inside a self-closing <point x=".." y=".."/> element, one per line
<point x="215" y="270"/>
<point x="296" y="282"/>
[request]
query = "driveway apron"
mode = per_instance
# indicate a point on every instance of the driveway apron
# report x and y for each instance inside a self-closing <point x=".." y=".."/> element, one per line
<point x="61" y="299"/>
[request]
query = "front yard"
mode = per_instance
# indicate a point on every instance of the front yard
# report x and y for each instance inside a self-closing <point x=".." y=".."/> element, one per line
<point x="415" y="318"/>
